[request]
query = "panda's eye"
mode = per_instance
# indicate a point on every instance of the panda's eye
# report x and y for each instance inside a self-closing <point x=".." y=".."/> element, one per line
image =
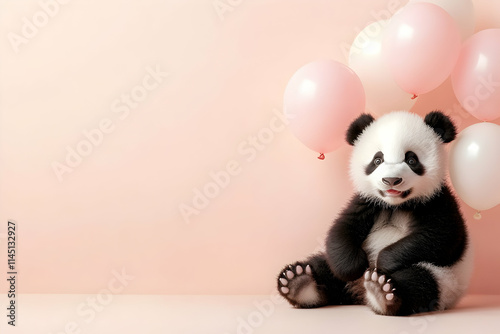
<point x="412" y="161"/>
<point x="377" y="161"/>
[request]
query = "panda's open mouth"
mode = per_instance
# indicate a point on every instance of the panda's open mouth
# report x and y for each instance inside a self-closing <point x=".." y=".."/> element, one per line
<point x="395" y="193"/>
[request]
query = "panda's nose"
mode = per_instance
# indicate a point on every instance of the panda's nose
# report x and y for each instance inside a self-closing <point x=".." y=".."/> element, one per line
<point x="392" y="181"/>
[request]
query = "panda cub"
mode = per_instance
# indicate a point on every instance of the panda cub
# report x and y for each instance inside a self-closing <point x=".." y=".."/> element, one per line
<point x="400" y="245"/>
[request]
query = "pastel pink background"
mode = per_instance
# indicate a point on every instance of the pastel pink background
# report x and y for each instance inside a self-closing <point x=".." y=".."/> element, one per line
<point x="120" y="208"/>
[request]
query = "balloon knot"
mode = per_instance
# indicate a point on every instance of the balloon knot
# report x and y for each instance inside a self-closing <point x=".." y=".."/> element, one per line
<point x="321" y="156"/>
<point x="414" y="96"/>
<point x="477" y="215"/>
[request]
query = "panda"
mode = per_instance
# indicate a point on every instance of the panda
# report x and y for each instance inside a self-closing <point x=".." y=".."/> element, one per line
<point x="400" y="245"/>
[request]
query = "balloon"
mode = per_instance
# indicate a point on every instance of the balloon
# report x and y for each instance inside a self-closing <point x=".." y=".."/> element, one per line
<point x="462" y="11"/>
<point x="365" y="57"/>
<point x="421" y="46"/>
<point x="476" y="77"/>
<point x="321" y="99"/>
<point x="474" y="162"/>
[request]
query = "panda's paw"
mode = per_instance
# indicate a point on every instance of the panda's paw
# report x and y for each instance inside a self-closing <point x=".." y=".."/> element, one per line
<point x="296" y="284"/>
<point x="381" y="295"/>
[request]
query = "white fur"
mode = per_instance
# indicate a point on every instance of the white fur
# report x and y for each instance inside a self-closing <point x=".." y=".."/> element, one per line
<point x="394" y="134"/>
<point x="385" y="231"/>
<point x="452" y="281"/>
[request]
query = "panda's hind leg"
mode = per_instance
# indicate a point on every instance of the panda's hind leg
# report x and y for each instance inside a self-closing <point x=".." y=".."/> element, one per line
<point x="407" y="291"/>
<point x="311" y="283"/>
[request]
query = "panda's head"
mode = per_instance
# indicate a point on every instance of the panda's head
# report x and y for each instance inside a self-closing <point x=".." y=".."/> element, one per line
<point x="400" y="156"/>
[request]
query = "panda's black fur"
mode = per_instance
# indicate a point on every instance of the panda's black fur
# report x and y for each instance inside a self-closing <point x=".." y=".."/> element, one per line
<point x="425" y="267"/>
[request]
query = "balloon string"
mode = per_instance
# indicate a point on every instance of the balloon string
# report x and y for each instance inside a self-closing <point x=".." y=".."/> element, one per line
<point x="321" y="156"/>
<point x="414" y="96"/>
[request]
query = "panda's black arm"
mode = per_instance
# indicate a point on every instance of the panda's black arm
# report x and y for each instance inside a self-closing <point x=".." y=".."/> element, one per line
<point x="438" y="236"/>
<point x="344" y="251"/>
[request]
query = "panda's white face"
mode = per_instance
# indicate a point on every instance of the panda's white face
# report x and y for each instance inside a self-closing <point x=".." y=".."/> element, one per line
<point x="397" y="158"/>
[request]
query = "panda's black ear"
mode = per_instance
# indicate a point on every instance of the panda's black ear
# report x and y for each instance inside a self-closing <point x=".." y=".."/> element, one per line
<point x="442" y="125"/>
<point x="357" y="127"/>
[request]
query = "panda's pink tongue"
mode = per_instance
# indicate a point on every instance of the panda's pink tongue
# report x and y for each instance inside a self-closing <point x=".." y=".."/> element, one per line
<point x="393" y="192"/>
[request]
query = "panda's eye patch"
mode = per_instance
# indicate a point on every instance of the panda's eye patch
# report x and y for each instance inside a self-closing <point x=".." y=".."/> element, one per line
<point x="377" y="160"/>
<point x="412" y="161"/>
<point x="411" y="158"/>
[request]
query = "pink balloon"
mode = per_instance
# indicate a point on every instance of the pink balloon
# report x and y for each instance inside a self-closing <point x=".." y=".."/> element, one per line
<point x="321" y="99"/>
<point x="476" y="77"/>
<point x="366" y="58"/>
<point x="421" y="47"/>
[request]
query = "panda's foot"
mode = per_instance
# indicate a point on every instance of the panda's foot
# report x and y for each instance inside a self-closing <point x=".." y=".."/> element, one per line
<point x="296" y="284"/>
<point x="381" y="295"/>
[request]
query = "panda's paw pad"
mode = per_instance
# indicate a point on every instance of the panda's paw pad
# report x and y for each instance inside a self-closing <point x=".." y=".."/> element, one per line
<point x="381" y="282"/>
<point x="297" y="285"/>
<point x="290" y="276"/>
<point x="380" y="292"/>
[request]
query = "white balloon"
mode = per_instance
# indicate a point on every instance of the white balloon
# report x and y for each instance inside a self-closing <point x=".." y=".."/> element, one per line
<point x="365" y="57"/>
<point x="475" y="165"/>
<point x="462" y="12"/>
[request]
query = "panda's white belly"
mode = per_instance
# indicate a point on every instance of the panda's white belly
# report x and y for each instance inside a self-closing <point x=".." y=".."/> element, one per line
<point x="388" y="229"/>
<point x="452" y="281"/>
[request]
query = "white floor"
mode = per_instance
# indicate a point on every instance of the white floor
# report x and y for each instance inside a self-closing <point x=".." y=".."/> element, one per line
<point x="72" y="314"/>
